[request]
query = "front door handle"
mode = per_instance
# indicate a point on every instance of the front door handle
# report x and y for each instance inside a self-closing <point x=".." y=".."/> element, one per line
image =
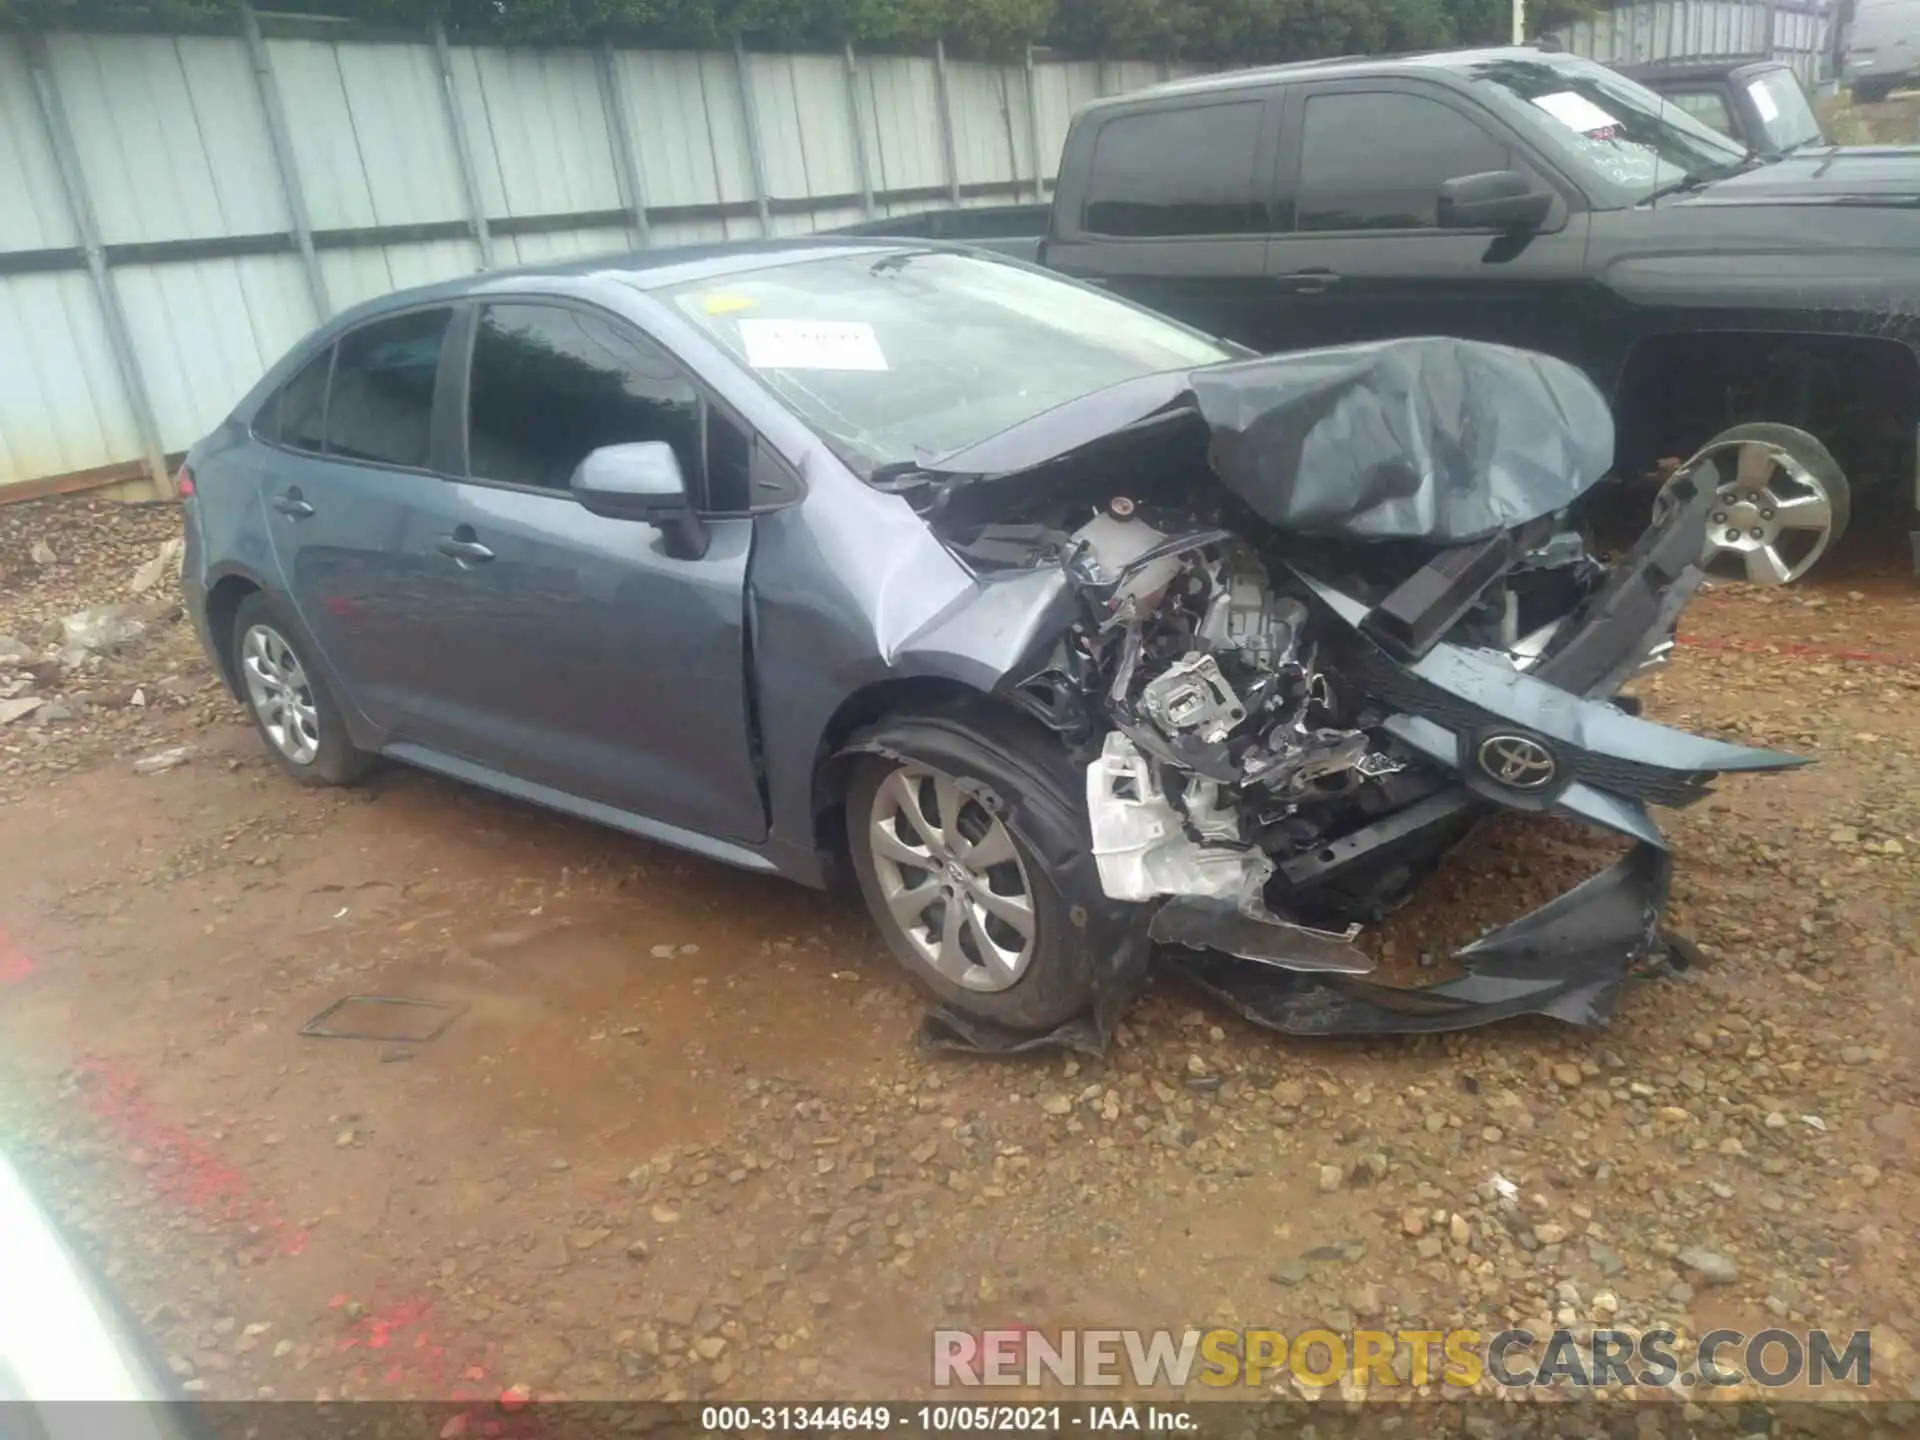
<point x="292" y="504"/>
<point x="463" y="547"/>
<point x="1307" y="282"/>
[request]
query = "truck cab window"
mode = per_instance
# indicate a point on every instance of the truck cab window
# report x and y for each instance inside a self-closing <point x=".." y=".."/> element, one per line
<point x="1177" y="172"/>
<point x="1375" y="160"/>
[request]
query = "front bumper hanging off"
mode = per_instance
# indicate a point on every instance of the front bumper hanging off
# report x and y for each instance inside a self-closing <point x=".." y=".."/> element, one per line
<point x="1568" y="959"/>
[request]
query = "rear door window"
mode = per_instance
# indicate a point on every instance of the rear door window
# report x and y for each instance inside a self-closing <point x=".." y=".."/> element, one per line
<point x="552" y="383"/>
<point x="1177" y="172"/>
<point x="296" y="416"/>
<point x="381" y="406"/>
<point x="1375" y="160"/>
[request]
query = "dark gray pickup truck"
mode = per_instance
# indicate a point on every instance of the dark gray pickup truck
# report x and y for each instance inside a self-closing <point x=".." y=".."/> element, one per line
<point x="1770" y="304"/>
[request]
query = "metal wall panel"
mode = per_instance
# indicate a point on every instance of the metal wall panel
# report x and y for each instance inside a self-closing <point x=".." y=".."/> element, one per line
<point x="170" y="135"/>
<point x="204" y="330"/>
<point x="62" y="407"/>
<point x="538" y="130"/>
<point x="1703" y="29"/>
<point x="1061" y="90"/>
<point x="174" y="147"/>
<point x="899" y="98"/>
<point x="568" y="244"/>
<point x="985" y="144"/>
<point x="806" y="129"/>
<point x="396" y="125"/>
<point x="34" y="215"/>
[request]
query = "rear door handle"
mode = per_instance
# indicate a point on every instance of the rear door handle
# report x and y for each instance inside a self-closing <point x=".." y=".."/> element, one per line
<point x="466" y="550"/>
<point x="292" y="504"/>
<point x="1307" y="282"/>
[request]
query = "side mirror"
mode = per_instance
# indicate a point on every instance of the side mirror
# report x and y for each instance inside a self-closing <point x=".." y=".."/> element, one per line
<point x="1496" y="200"/>
<point x="642" y="481"/>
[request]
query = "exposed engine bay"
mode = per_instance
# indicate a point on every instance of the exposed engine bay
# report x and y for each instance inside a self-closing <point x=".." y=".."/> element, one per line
<point x="1292" y="697"/>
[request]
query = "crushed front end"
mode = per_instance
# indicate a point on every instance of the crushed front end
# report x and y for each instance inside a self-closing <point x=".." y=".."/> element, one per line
<point x="1301" y="677"/>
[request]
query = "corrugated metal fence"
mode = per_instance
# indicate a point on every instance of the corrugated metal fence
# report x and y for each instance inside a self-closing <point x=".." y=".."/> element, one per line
<point x="178" y="210"/>
<point x="1705" y="29"/>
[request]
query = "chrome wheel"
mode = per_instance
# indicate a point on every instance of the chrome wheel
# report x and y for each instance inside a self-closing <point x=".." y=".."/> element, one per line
<point x="1775" y="511"/>
<point x="951" y="880"/>
<point x="280" y="693"/>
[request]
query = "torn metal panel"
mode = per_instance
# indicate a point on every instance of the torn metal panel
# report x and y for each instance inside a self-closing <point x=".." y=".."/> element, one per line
<point x="1569" y="960"/>
<point x="1199" y="922"/>
<point x="1293" y="692"/>
<point x="1435" y="439"/>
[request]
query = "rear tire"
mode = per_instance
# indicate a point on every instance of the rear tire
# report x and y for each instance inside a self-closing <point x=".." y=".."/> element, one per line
<point x="969" y="839"/>
<point x="290" y="706"/>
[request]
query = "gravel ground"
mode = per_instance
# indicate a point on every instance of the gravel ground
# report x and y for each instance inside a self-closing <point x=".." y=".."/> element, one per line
<point x="679" y="1141"/>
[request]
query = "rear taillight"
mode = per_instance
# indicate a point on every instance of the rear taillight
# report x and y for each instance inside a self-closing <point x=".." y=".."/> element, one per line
<point x="183" y="482"/>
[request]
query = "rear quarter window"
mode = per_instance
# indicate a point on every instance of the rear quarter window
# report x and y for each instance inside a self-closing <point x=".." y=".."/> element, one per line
<point x="295" y="415"/>
<point x="1177" y="172"/>
<point x="380" y="407"/>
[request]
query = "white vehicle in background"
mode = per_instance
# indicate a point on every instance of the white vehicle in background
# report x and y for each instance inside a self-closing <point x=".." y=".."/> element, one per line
<point x="1882" y="47"/>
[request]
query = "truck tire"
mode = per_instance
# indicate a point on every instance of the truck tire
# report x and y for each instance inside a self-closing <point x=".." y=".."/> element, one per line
<point x="1785" y="502"/>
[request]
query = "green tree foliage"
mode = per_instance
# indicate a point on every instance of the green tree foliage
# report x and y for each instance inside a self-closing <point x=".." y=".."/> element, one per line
<point x="1234" y="32"/>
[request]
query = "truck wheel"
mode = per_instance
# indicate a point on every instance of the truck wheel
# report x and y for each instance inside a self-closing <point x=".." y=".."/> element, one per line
<point x="1871" y="92"/>
<point x="968" y="835"/>
<point x="1781" y="502"/>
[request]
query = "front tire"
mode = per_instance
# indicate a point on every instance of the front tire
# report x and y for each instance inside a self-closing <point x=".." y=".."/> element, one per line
<point x="968" y="836"/>
<point x="289" y="704"/>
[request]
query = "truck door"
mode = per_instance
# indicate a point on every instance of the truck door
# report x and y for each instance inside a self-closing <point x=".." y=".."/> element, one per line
<point x="1166" y="204"/>
<point x="1358" y="253"/>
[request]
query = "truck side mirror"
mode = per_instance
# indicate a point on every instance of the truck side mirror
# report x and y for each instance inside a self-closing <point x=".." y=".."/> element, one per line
<point x="1494" y="200"/>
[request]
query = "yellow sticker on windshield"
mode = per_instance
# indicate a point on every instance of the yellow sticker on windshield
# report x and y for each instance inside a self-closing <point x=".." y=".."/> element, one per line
<point x="721" y="303"/>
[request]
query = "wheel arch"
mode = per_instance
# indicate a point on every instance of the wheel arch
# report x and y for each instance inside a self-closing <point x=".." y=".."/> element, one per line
<point x="868" y="705"/>
<point x="1858" y="394"/>
<point x="223" y="603"/>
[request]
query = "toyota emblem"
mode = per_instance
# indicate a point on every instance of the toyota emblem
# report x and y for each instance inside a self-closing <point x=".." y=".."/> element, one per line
<point x="1517" y="762"/>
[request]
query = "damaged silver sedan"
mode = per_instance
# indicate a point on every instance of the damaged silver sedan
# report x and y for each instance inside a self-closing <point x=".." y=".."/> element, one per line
<point x="1079" y="636"/>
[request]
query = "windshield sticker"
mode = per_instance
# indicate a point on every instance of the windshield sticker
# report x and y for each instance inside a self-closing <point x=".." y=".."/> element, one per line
<point x="721" y="303"/>
<point x="811" y="345"/>
<point x="1763" y="101"/>
<point x="1578" y="114"/>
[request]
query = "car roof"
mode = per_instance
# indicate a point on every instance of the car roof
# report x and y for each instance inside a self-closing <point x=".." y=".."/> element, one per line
<point x="1423" y="62"/>
<point x="639" y="269"/>
<point x="1717" y="68"/>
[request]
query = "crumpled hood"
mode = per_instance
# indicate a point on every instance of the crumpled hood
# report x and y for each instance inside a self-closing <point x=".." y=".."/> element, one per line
<point x="1836" y="175"/>
<point x="1436" y="439"/>
<point x="1431" y="438"/>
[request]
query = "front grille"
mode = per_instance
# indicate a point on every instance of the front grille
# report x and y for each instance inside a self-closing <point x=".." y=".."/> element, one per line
<point x="1651" y="783"/>
<point x="1654" y="784"/>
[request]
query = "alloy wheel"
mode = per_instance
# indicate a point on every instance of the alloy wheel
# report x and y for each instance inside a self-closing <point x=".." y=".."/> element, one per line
<point x="951" y="879"/>
<point x="280" y="693"/>
<point x="1772" y="518"/>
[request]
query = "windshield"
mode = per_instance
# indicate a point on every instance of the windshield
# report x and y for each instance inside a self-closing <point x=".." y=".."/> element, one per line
<point x="907" y="355"/>
<point x="1614" y="131"/>
<point x="1782" y="107"/>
